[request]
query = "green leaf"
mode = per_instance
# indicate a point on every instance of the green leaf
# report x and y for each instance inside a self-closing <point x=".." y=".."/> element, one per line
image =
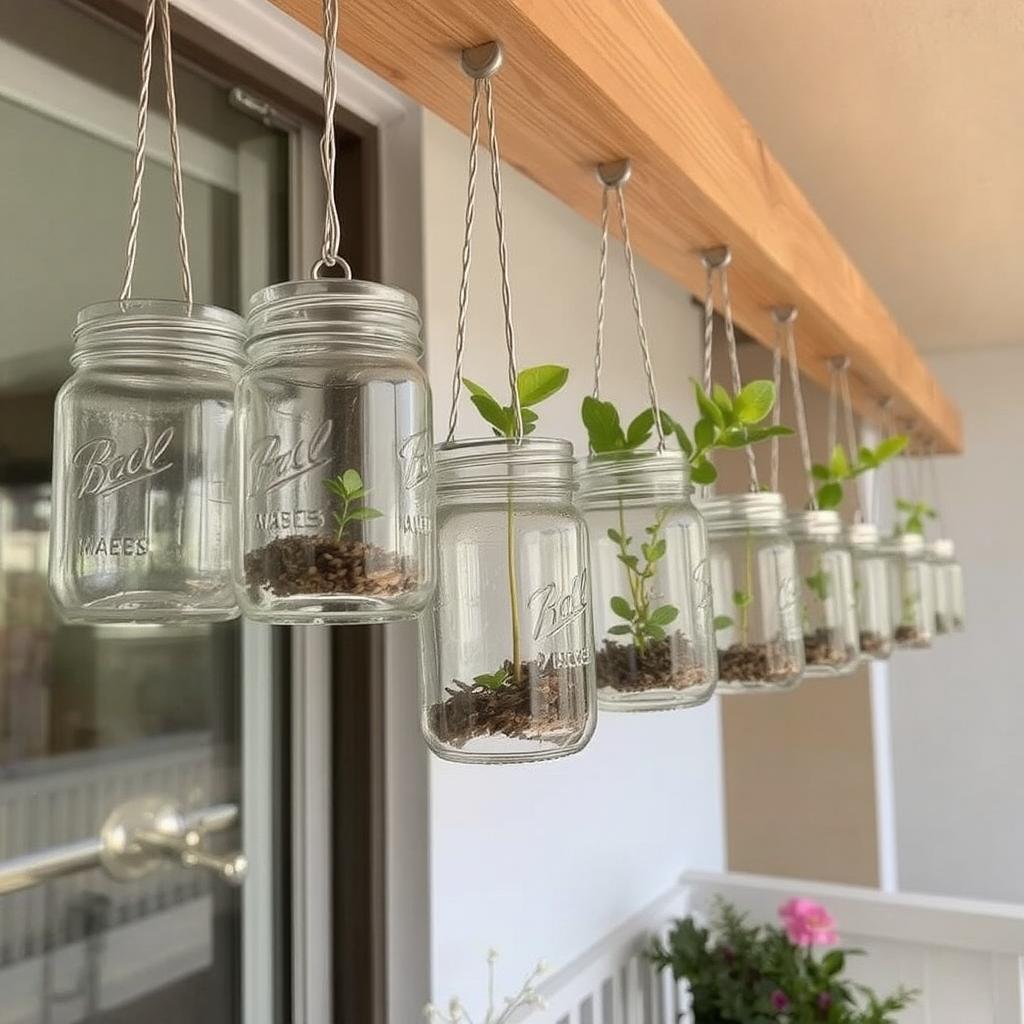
<point x="602" y="422"/>
<point x="494" y="414"/>
<point x="336" y="488"/>
<point x="615" y="537"/>
<point x="655" y="632"/>
<point x="475" y="389"/>
<point x="529" y="419"/>
<point x="620" y="630"/>
<point x="820" y="472"/>
<point x="351" y="481"/>
<point x="722" y="399"/>
<point x="663" y="616"/>
<point x="493" y="680"/>
<point x="838" y="463"/>
<point x="722" y="622"/>
<point x="833" y="962"/>
<point x="763" y="433"/>
<point x="704" y="433"/>
<point x="704" y="472"/>
<point x="362" y="514"/>
<point x="685" y="444"/>
<point x="754" y="401"/>
<point x="657" y="551"/>
<point x="707" y="407"/>
<point x="830" y="496"/>
<point x="735" y="436"/>
<point x="630" y="561"/>
<point x="741" y="599"/>
<point x="539" y="382"/>
<point x="640" y="429"/>
<point x="890" y="447"/>
<point x="622" y="608"/>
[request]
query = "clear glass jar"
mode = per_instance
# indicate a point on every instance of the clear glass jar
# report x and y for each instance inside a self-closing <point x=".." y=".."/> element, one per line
<point x="947" y="586"/>
<point x="652" y="589"/>
<point x="143" y="465"/>
<point x="911" y="601"/>
<point x="513" y="593"/>
<point x="871" y="588"/>
<point x="756" y="601"/>
<point x="336" y="494"/>
<point x="831" y="640"/>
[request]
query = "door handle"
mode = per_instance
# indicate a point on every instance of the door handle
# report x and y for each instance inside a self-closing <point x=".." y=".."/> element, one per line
<point x="136" y="838"/>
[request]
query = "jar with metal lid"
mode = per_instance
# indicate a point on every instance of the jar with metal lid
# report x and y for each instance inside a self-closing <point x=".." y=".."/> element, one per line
<point x="947" y="586"/>
<point x="335" y="456"/>
<point x="911" y="601"/>
<point x="871" y="589"/>
<point x="756" y="600"/>
<point x="831" y="641"/>
<point x="649" y="573"/>
<point x="508" y="654"/>
<point x="143" y="465"/>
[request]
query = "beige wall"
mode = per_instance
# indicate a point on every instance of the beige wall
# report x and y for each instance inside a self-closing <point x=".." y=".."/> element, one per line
<point x="799" y="767"/>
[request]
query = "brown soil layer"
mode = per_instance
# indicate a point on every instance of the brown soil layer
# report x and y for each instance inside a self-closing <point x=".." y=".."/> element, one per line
<point x="751" y="662"/>
<point x="664" y="665"/>
<point x="910" y="636"/>
<point x="876" y="644"/>
<point x="323" y="565"/>
<point x="822" y="648"/>
<point x="525" y="708"/>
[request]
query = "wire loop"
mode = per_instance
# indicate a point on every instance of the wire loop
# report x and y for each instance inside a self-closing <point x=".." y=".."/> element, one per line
<point x="785" y="317"/>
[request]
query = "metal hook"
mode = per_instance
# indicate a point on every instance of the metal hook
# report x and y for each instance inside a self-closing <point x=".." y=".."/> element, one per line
<point x="785" y="314"/>
<point x="840" y="363"/>
<point x="716" y="257"/>
<point x="615" y="173"/>
<point x="483" y="61"/>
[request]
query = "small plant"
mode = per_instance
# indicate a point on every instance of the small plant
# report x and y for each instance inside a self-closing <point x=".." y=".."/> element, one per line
<point x="741" y="601"/>
<point x="740" y="973"/>
<point x="533" y="386"/>
<point x="914" y="515"/>
<point x="349" y="490"/>
<point x="839" y="469"/>
<point x="527" y="998"/>
<point x="819" y="583"/>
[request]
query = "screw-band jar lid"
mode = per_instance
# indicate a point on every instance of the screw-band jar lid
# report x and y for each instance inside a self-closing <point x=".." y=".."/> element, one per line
<point x="863" y="535"/>
<point x="815" y="524"/>
<point x="910" y="544"/>
<point x="345" y="309"/>
<point x="943" y="549"/>
<point x="138" y="327"/>
<point x="663" y="475"/>
<point x="489" y="462"/>
<point x="736" y="511"/>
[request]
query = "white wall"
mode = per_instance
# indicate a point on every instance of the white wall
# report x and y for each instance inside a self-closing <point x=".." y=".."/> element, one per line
<point x="957" y="711"/>
<point x="541" y="861"/>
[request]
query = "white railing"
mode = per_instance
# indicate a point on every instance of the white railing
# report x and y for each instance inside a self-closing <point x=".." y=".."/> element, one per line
<point x="965" y="956"/>
<point x="67" y="798"/>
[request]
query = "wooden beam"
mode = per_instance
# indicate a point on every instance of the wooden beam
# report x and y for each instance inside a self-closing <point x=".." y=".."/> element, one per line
<point x="587" y="81"/>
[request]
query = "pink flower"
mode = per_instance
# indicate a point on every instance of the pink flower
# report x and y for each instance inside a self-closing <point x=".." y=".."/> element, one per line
<point x="780" y="1001"/>
<point x="808" y="923"/>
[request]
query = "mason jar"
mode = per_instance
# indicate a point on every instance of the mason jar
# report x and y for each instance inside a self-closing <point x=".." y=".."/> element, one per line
<point x="143" y="465"/>
<point x="754" y="588"/>
<point x="335" y="456"/>
<point x="947" y="586"/>
<point x="652" y="589"/>
<point x="508" y="651"/>
<point x="911" y="601"/>
<point x="871" y="589"/>
<point x="831" y="638"/>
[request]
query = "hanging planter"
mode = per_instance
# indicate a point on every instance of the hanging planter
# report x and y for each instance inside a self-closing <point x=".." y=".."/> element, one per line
<point x="507" y="670"/>
<point x="336" y="499"/>
<point x="871" y="587"/>
<point x="910" y="590"/>
<point x="756" y="600"/>
<point x="948" y="586"/>
<point x="143" y="461"/>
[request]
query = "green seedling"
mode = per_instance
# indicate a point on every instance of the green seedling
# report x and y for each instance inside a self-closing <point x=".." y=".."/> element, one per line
<point x="533" y="386"/>
<point x="839" y="469"/>
<point x="349" y="490"/>
<point x="914" y="515"/>
<point x="819" y="583"/>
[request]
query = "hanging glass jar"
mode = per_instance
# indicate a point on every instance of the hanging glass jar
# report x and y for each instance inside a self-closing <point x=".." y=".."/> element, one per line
<point x="831" y="645"/>
<point x="911" y="601"/>
<point x="508" y="667"/>
<point x="652" y="593"/>
<point x="947" y="586"/>
<point x="143" y="465"/>
<point x="871" y="588"/>
<point x="756" y="601"/>
<point x="336" y="503"/>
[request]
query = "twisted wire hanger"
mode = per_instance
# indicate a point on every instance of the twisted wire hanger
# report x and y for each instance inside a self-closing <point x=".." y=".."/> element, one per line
<point x="139" y="165"/>
<point x="613" y="178"/>
<point x="785" y="318"/>
<point x="481" y="63"/>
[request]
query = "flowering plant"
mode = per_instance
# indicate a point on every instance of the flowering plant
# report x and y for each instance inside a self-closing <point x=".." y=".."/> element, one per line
<point x="739" y="973"/>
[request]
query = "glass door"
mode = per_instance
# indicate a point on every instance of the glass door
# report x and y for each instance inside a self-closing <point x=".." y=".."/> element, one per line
<point x="123" y="730"/>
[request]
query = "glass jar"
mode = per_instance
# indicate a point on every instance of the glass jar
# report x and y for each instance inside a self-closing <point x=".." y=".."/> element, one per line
<point x="756" y="602"/>
<point x="508" y="654"/>
<point x="911" y="601"/>
<point x="831" y="641"/>
<point x="336" y="498"/>
<point x="871" y="589"/>
<point x="947" y="586"/>
<point x="652" y="589"/>
<point x="143" y="469"/>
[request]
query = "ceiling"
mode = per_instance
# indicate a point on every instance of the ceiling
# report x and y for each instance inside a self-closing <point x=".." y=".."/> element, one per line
<point x="903" y="123"/>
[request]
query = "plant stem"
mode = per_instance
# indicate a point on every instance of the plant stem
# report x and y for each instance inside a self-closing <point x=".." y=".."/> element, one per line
<point x="513" y="589"/>
<point x="632" y="580"/>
